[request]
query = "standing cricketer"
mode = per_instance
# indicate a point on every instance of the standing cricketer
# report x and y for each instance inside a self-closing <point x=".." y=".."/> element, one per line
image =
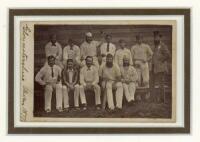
<point x="54" y="48"/>
<point x="142" y="54"/>
<point x="107" y="48"/>
<point x="120" y="53"/>
<point x="89" y="48"/>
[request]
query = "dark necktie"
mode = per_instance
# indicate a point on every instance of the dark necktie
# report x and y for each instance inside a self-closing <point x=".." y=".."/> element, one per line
<point x="52" y="73"/>
<point x="107" y="47"/>
<point x="53" y="43"/>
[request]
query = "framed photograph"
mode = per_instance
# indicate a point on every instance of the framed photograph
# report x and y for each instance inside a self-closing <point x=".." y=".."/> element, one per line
<point x="99" y="71"/>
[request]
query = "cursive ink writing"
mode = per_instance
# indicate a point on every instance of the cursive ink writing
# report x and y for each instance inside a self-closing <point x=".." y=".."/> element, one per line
<point x="25" y="33"/>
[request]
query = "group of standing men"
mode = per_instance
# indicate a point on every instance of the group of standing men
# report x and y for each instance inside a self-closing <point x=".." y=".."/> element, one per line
<point x="99" y="66"/>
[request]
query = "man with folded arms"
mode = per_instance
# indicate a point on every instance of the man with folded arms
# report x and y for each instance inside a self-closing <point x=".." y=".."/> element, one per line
<point x="70" y="83"/>
<point x="129" y="80"/>
<point x="111" y="79"/>
<point x="49" y="76"/>
<point x="89" y="79"/>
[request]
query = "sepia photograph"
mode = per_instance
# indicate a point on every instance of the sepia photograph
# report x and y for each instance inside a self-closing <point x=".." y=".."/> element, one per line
<point x="104" y="73"/>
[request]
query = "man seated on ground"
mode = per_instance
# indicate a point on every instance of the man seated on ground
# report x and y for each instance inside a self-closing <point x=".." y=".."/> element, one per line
<point x="111" y="79"/>
<point x="89" y="79"/>
<point x="129" y="80"/>
<point x="70" y="83"/>
<point x="50" y="76"/>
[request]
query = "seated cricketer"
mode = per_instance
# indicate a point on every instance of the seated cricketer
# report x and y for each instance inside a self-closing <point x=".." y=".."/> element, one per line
<point x="89" y="79"/>
<point x="129" y="80"/>
<point x="111" y="79"/>
<point x="50" y="76"/>
<point x="70" y="82"/>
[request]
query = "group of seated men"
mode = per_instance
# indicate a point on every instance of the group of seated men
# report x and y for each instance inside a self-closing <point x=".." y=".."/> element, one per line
<point x="99" y="66"/>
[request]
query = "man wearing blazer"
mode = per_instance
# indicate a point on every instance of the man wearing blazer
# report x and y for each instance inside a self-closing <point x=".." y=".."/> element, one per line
<point x="160" y="58"/>
<point x="70" y="82"/>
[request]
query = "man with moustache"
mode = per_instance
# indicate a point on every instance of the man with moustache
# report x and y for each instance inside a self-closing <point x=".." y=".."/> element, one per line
<point x="49" y="76"/>
<point x="89" y="79"/>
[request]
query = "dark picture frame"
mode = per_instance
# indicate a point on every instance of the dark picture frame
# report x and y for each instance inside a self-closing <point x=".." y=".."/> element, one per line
<point x="88" y="130"/>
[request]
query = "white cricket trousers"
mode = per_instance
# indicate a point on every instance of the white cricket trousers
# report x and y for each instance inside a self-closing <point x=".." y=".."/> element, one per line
<point x="48" y="96"/>
<point x="143" y="74"/>
<point x="97" y="92"/>
<point x="66" y="90"/>
<point x="110" y="85"/>
<point x="129" y="91"/>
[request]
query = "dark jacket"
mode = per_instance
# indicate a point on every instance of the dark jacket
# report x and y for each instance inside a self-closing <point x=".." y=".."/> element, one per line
<point x="65" y="76"/>
<point x="160" y="57"/>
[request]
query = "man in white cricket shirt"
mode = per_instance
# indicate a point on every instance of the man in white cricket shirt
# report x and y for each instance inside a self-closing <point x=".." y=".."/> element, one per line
<point x="121" y="53"/>
<point x="107" y="48"/>
<point x="49" y="76"/>
<point x="54" y="48"/>
<point x="89" y="48"/>
<point x="142" y="54"/>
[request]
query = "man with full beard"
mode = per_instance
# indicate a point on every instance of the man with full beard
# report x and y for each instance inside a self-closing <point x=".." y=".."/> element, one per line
<point x="129" y="80"/>
<point x="111" y="79"/>
<point x="160" y="58"/>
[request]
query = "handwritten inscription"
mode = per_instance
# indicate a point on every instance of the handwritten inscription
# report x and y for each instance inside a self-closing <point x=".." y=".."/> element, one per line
<point x="25" y="33"/>
<point x="24" y="111"/>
